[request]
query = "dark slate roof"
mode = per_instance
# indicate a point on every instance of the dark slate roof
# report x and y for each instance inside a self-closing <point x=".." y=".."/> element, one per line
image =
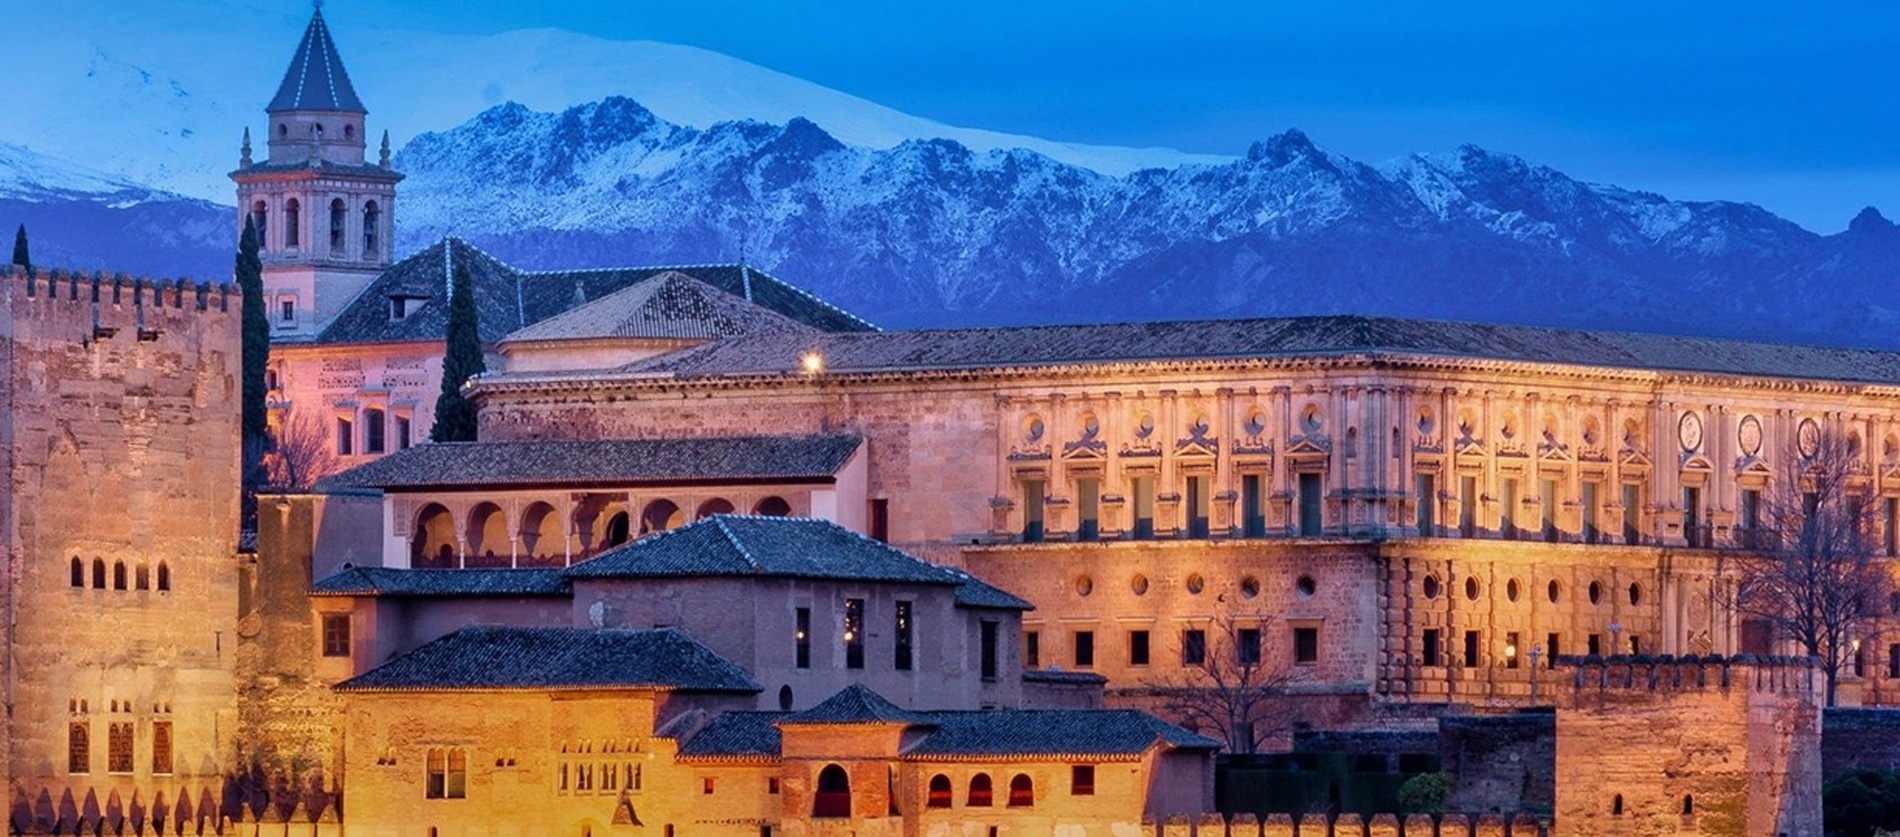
<point x="604" y="462"/>
<point x="472" y="583"/>
<point x="1065" y="678"/>
<point x="498" y="658"/>
<point x="736" y="735"/>
<point x="316" y="79"/>
<point x="508" y="300"/>
<point x="974" y="592"/>
<point x="363" y="170"/>
<point x="1051" y="732"/>
<point x="670" y="305"/>
<point x="1069" y="345"/>
<point x="770" y="547"/>
<point x="856" y="704"/>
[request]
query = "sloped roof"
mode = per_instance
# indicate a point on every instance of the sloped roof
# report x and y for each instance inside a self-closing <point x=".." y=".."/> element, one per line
<point x="669" y="305"/>
<point x="505" y="658"/>
<point x="604" y="462"/>
<point x="433" y="583"/>
<point x="856" y="704"/>
<point x="735" y="736"/>
<point x="508" y="300"/>
<point x="316" y="79"/>
<point x="1071" y="345"/>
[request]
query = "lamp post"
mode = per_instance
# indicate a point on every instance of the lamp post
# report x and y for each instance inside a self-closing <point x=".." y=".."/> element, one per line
<point x="1616" y="639"/>
<point x="1536" y="652"/>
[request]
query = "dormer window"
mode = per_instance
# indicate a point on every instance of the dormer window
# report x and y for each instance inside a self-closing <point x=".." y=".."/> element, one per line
<point x="403" y="307"/>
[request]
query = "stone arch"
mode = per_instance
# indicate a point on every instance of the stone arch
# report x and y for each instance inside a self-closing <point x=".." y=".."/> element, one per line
<point x="716" y="505"/>
<point x="98" y="573"/>
<point x="981" y="792"/>
<point x="433" y="543"/>
<point x="487" y="535"/>
<point x="1022" y="791"/>
<point x="292" y="217"/>
<point x="619" y="530"/>
<point x="339" y="212"/>
<point x="773" y="506"/>
<point x="78" y="572"/>
<point x="541" y="533"/>
<point x="119" y="578"/>
<point x="661" y="515"/>
<point x="939" y="792"/>
<point x="164" y="577"/>
<point x="372" y="228"/>
<point x="833" y="796"/>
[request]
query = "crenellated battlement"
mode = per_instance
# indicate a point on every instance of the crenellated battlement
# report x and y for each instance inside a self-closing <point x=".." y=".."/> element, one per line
<point x="1666" y="673"/>
<point x="122" y="290"/>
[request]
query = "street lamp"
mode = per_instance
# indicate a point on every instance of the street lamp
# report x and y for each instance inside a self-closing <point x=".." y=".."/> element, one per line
<point x="1616" y="639"/>
<point x="1536" y="652"/>
<point x="812" y="362"/>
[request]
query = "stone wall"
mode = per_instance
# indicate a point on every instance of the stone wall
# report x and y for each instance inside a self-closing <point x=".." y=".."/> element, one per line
<point x="1855" y="739"/>
<point x="1500" y="762"/>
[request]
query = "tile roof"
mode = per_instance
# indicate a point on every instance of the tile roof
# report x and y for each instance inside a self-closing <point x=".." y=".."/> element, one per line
<point x="735" y="735"/>
<point x="856" y="704"/>
<point x="974" y="592"/>
<point x="316" y="79"/>
<point x="669" y="305"/>
<point x="421" y="583"/>
<point x="770" y="547"/>
<point x="1072" y="345"/>
<point x="1067" y="678"/>
<point x="500" y="658"/>
<point x="508" y="299"/>
<point x="604" y="462"/>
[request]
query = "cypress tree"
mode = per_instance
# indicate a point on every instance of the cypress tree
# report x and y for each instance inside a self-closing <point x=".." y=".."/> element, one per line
<point x="20" y="256"/>
<point x="454" y="413"/>
<point x="249" y="273"/>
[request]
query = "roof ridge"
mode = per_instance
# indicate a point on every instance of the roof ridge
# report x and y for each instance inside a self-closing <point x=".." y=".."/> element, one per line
<point x="733" y="539"/>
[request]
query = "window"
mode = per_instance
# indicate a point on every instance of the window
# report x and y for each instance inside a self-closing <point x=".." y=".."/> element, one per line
<point x="1022" y="792"/>
<point x="802" y="638"/>
<point x="119" y="748"/>
<point x="336" y="635"/>
<point x="1550" y="511"/>
<point x="1253" y="505"/>
<point x="1310" y="499"/>
<point x="1471" y="649"/>
<point x="1616" y="805"/>
<point x="1427" y="505"/>
<point x="1088" y="509"/>
<point x="1082" y="780"/>
<point x="287" y="310"/>
<point x="833" y="798"/>
<point x="939" y="792"/>
<point x="881" y="519"/>
<point x="290" y="224"/>
<point x="1084" y="649"/>
<point x="1032" y="649"/>
<point x="1247" y="646"/>
<point x="142" y="578"/>
<point x="372" y="220"/>
<point x="1692" y="517"/>
<point x="345" y="436"/>
<point x="1137" y="648"/>
<point x="1468" y="507"/>
<point x="1507" y="510"/>
<point x="164" y="577"/>
<point x="1552" y="647"/>
<point x="1510" y="649"/>
<point x="1144" y="507"/>
<point x="402" y="433"/>
<point x="1592" y="494"/>
<point x="373" y="430"/>
<point x="260" y="215"/>
<point x="78" y="748"/>
<point x="1594" y="643"/>
<point x="987" y="662"/>
<point x="1305" y="646"/>
<point x="1890" y="534"/>
<point x="1430" y="651"/>
<point x="854" y="633"/>
<point x="706" y="785"/>
<point x="78" y="572"/>
<point x="98" y="574"/>
<point x="448" y="774"/>
<point x="979" y="796"/>
<point x="1198" y="497"/>
<point x="118" y="575"/>
<point x="162" y="748"/>
<point x="1632" y="513"/>
<point x="1033" y="499"/>
<point x="1193" y="647"/>
<point x="902" y="659"/>
<point x="337" y="213"/>
<point x="1688" y="805"/>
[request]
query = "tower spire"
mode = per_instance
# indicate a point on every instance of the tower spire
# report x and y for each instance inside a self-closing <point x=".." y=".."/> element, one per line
<point x="244" y="152"/>
<point x="384" y="162"/>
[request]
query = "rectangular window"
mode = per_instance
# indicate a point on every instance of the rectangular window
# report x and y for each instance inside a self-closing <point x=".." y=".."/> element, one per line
<point x="1198" y="497"/>
<point x="1471" y="649"/>
<point x="989" y="656"/>
<point x="1033" y="498"/>
<point x="1507" y="509"/>
<point x="1088" y="509"/>
<point x="436" y="784"/>
<point x="1758" y="636"/>
<point x="1860" y="662"/>
<point x="373" y="430"/>
<point x="287" y="310"/>
<point x="1144" y="507"/>
<point x="1305" y="646"/>
<point x="1893" y="660"/>
<point x="345" y="436"/>
<point x="336" y="635"/>
<point x="119" y="748"/>
<point x="1750" y="524"/>
<point x="1084" y="647"/>
<point x="1137" y="648"/>
<point x="1311" y="498"/>
<point x="1636" y="644"/>
<point x="1592" y="499"/>
<point x="1431" y="651"/>
<point x="162" y="748"/>
<point x="904" y="628"/>
<point x="447" y="778"/>
<point x="78" y="748"/>
<point x="1553" y="649"/>
<point x="854" y="633"/>
<point x="1594" y="645"/>
<point x="1427" y="505"/>
<point x="1890" y="536"/>
<point x="1632" y="513"/>
<point x="706" y="785"/>
<point x="1082" y="780"/>
<point x="1253" y="504"/>
<point x="801" y="638"/>
<point x="1550" y="511"/>
<point x="1511" y="650"/>
<point x="402" y="433"/>
<point x="1032" y="650"/>
<point x="1692" y="516"/>
<point x="1468" y="507"/>
<point x="881" y="519"/>
<point x="1193" y="647"/>
<point x="1247" y="646"/>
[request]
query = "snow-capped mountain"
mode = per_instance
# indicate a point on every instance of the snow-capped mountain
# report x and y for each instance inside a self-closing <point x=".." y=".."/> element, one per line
<point x="83" y="218"/>
<point x="933" y="232"/>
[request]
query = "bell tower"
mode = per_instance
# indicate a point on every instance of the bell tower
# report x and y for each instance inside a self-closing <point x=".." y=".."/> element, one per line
<point x="325" y="212"/>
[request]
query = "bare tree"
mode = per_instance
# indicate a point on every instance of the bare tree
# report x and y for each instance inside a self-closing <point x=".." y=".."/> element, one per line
<point x="1813" y="572"/>
<point x="299" y="454"/>
<point x="1228" y="684"/>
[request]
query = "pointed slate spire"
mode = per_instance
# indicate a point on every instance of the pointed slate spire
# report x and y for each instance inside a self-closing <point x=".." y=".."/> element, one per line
<point x="316" y="79"/>
<point x="244" y="153"/>
<point x="384" y="162"/>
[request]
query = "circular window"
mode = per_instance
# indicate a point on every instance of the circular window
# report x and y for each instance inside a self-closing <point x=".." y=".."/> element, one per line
<point x="1431" y="587"/>
<point x="1471" y="589"/>
<point x="1510" y="589"/>
<point x="1084" y="585"/>
<point x="1139" y="584"/>
<point x="1636" y="594"/>
<point x="1554" y="590"/>
<point x="1195" y="584"/>
<point x="1307" y="586"/>
<point x="1596" y="592"/>
<point x="1249" y="587"/>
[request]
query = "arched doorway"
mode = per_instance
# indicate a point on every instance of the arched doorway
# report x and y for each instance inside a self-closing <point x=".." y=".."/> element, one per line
<point x="541" y="541"/>
<point x="488" y="537"/>
<point x="433" y="542"/>
<point x="833" y="798"/>
<point x="659" y="516"/>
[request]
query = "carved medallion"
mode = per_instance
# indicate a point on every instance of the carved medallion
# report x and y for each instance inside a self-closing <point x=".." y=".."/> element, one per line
<point x="1749" y="435"/>
<point x="1807" y="437"/>
<point x="1689" y="431"/>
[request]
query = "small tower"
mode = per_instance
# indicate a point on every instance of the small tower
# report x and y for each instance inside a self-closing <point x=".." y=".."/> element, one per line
<point x="326" y="214"/>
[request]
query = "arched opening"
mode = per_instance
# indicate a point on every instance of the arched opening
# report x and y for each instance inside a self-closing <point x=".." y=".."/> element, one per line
<point x="164" y="577"/>
<point x="1022" y="791"/>
<point x="283" y="130"/>
<point x="541" y="542"/>
<point x="1616" y="806"/>
<point x="488" y="537"/>
<point x="372" y="223"/>
<point x="98" y="574"/>
<point x="1688" y="805"/>
<point x="619" y="530"/>
<point x="432" y="544"/>
<point x="980" y="792"/>
<point x="717" y="505"/>
<point x="349" y="131"/>
<point x="338" y="211"/>
<point x="785" y="698"/>
<point x="291" y="210"/>
<point x="773" y="507"/>
<point x="79" y="572"/>
<point x="142" y="577"/>
<point x="833" y="798"/>
<point x="939" y="792"/>
<point x="260" y="219"/>
<point x="659" y="516"/>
